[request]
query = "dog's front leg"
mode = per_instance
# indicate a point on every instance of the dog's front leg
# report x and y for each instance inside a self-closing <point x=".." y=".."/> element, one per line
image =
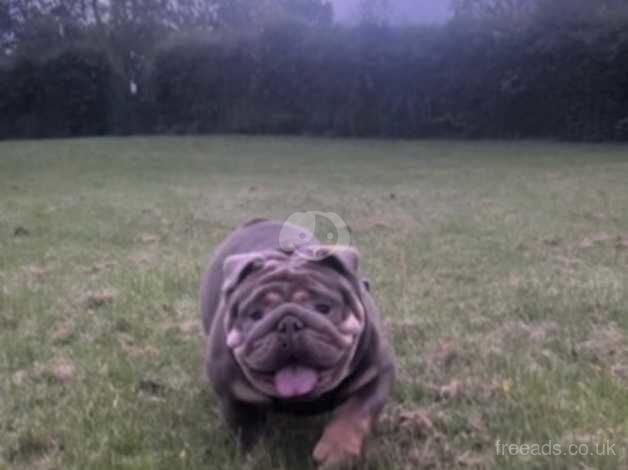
<point x="341" y="444"/>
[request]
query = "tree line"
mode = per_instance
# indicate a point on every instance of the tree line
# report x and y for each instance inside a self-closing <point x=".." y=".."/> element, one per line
<point x="498" y="69"/>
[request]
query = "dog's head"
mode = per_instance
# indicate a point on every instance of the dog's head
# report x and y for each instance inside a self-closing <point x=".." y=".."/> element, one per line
<point x="293" y="322"/>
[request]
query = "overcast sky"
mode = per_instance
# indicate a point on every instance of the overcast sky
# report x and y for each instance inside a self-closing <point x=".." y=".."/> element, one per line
<point x="414" y="11"/>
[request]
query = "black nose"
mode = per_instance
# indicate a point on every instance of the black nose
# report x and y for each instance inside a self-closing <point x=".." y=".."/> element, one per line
<point x="289" y="325"/>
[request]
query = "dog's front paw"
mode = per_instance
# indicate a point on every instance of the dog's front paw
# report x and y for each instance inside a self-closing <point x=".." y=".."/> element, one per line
<point x="339" y="447"/>
<point x="335" y="455"/>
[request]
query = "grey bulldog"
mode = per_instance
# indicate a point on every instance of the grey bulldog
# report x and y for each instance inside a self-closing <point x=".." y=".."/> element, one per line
<point x="292" y="327"/>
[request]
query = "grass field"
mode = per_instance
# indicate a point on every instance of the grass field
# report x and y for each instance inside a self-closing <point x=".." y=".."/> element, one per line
<point x="501" y="270"/>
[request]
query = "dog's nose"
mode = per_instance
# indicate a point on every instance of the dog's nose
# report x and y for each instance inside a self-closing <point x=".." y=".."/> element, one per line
<point x="289" y="325"/>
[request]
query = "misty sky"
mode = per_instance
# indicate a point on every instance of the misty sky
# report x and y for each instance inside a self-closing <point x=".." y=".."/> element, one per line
<point x="414" y="11"/>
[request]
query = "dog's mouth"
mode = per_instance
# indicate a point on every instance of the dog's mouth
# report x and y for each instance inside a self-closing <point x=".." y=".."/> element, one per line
<point x="300" y="366"/>
<point x="294" y="367"/>
<point x="294" y="381"/>
<point x="297" y="380"/>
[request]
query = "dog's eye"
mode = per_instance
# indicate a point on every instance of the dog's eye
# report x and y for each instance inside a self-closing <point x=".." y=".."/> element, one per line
<point x="256" y="315"/>
<point x="322" y="308"/>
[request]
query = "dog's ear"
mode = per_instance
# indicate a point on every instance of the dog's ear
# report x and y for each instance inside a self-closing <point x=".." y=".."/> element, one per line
<point x="344" y="259"/>
<point x="237" y="267"/>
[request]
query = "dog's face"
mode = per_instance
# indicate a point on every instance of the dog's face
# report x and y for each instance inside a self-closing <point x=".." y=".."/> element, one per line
<point x="293" y="322"/>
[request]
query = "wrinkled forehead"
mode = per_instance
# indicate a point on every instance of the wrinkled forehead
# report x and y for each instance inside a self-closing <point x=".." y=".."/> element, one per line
<point x="292" y="278"/>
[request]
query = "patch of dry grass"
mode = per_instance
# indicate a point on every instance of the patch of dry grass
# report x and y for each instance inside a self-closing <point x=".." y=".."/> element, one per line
<point x="501" y="270"/>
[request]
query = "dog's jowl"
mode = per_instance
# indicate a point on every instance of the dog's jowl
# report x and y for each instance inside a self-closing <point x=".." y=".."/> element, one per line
<point x="294" y="329"/>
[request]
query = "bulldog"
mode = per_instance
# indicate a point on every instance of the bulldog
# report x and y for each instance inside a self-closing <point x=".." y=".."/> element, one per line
<point x="292" y="327"/>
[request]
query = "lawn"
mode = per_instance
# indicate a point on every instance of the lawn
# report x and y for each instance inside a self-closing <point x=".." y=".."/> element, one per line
<point x="500" y="268"/>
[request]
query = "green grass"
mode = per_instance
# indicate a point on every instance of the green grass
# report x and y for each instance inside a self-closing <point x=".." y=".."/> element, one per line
<point x="500" y="268"/>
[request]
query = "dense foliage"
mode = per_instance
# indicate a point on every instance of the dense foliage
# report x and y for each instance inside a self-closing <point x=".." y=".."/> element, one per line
<point x="479" y="76"/>
<point x="74" y="92"/>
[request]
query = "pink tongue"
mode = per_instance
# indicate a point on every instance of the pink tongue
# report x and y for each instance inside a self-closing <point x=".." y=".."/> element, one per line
<point x="293" y="381"/>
